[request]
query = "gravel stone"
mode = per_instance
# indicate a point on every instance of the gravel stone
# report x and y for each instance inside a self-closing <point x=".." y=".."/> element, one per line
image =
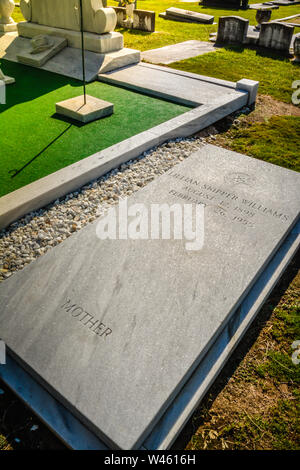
<point x="39" y="231"/>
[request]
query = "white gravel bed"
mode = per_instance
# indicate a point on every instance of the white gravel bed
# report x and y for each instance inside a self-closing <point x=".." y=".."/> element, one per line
<point x="37" y="232"/>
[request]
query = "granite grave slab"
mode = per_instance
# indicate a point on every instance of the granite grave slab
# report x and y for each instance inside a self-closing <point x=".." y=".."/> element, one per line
<point x="68" y="62"/>
<point x="187" y="15"/>
<point x="164" y="82"/>
<point x="106" y="330"/>
<point x="76" y="436"/>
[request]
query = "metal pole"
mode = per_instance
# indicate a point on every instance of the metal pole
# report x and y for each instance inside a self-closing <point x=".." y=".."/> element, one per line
<point x="82" y="52"/>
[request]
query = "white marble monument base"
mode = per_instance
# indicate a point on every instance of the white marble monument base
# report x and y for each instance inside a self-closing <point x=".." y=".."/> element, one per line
<point x="75" y="108"/>
<point x="68" y="62"/>
<point x="37" y="60"/>
<point x="101" y="43"/>
<point x="8" y="28"/>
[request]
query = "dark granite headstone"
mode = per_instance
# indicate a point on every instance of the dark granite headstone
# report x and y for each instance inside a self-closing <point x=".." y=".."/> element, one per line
<point x="232" y="30"/>
<point x="276" y="36"/>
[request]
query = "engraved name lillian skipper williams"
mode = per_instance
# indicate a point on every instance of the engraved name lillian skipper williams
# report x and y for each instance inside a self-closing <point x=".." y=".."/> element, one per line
<point x="86" y="318"/>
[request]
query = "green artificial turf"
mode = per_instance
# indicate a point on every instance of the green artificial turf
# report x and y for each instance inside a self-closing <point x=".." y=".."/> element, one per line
<point x="29" y="127"/>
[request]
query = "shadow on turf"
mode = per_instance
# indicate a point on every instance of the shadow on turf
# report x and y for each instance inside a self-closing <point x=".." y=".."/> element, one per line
<point x="260" y="51"/>
<point x="16" y="172"/>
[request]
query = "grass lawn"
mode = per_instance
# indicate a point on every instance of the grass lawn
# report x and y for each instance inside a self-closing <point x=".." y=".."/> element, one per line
<point x="275" y="74"/>
<point x="28" y="124"/>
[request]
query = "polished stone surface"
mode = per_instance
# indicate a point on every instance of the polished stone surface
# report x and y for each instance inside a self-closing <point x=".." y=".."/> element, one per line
<point x="176" y="52"/>
<point x="120" y="375"/>
<point x="84" y="111"/>
<point x="78" y="437"/>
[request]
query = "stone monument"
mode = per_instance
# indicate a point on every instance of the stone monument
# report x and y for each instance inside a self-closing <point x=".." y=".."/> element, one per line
<point x="276" y="36"/>
<point x="232" y="30"/>
<point x="56" y="25"/>
<point x="114" y="327"/>
<point x="7" y="23"/>
<point x="7" y="80"/>
<point x="262" y="16"/>
<point x="62" y="19"/>
<point x="297" y="48"/>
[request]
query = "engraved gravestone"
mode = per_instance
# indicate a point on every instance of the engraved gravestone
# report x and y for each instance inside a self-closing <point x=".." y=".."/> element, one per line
<point x="114" y="328"/>
<point x="232" y="29"/>
<point x="277" y="36"/>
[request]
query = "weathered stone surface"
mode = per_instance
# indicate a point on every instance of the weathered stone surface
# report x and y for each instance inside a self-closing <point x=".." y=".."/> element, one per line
<point x="120" y="375"/>
<point x="232" y="29"/>
<point x="78" y="437"/>
<point x="55" y="44"/>
<point x="176" y="52"/>
<point x="7" y="80"/>
<point x="297" y="48"/>
<point x="75" y="108"/>
<point x="143" y="20"/>
<point x="277" y="36"/>
<point x="263" y="16"/>
<point x="251" y="86"/>
<point x="193" y="16"/>
<point x="8" y="28"/>
<point x="68" y="62"/>
<point x="101" y="43"/>
<point x="7" y="23"/>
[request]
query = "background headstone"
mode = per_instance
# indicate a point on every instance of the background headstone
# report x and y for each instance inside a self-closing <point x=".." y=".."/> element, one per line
<point x="187" y="15"/>
<point x="297" y="48"/>
<point x="277" y="36"/>
<point x="143" y="20"/>
<point x="232" y="30"/>
<point x="113" y="335"/>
